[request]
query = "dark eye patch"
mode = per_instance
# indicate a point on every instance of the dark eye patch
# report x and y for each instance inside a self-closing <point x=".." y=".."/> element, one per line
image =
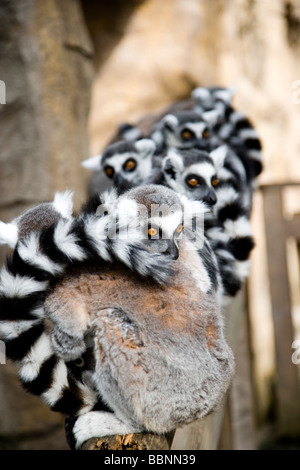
<point x="194" y="181"/>
<point x="109" y="171"/>
<point x="187" y="134"/>
<point x="130" y="164"/>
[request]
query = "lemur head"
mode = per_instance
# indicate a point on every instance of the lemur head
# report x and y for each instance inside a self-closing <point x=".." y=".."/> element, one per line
<point x="153" y="217"/>
<point x="37" y="218"/>
<point x="194" y="172"/>
<point x="184" y="129"/>
<point x="124" y="162"/>
<point x="210" y="97"/>
<point x="213" y="98"/>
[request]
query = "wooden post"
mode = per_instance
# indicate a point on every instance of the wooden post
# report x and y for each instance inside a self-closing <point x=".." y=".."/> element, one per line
<point x="287" y="387"/>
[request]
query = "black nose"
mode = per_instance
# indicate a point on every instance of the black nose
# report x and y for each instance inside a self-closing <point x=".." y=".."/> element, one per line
<point x="172" y="250"/>
<point x="210" y="198"/>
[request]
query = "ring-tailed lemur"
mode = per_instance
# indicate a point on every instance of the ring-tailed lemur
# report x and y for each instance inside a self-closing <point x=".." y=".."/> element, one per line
<point x="224" y="123"/>
<point x="123" y="321"/>
<point x="185" y="130"/>
<point x="218" y="179"/>
<point x="43" y="252"/>
<point x="232" y="126"/>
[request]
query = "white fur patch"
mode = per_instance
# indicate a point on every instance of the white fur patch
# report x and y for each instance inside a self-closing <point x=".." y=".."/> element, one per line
<point x="226" y="196"/>
<point x="66" y="242"/>
<point x="19" y="286"/>
<point x="205" y="170"/>
<point x="255" y="154"/>
<point x="197" y="269"/>
<point x="92" y="163"/>
<point x="8" y="234"/>
<point x="29" y="251"/>
<point x="100" y="423"/>
<point x="60" y="381"/>
<point x="196" y="127"/>
<point x="168" y="223"/>
<point x="38" y="354"/>
<point x="238" y="228"/>
<point x="226" y="95"/>
<point x="236" y="116"/>
<point x="218" y="156"/>
<point x="242" y="269"/>
<point x="96" y="229"/>
<point x="131" y="134"/>
<point x="145" y="147"/>
<point x="63" y="203"/>
<point x="13" y="329"/>
<point x="248" y="134"/>
<point x="202" y="95"/>
<point x="225" y="131"/>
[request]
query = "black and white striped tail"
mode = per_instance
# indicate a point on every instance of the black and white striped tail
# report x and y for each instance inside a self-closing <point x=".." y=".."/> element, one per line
<point x="233" y="127"/>
<point x="38" y="261"/>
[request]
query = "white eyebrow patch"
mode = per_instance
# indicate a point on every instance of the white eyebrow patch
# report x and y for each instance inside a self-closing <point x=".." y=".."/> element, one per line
<point x="118" y="160"/>
<point x="168" y="223"/>
<point x="196" y="127"/>
<point x="205" y="170"/>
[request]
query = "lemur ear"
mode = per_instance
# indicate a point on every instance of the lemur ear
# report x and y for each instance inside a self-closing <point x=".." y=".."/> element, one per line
<point x="129" y="132"/>
<point x="211" y="117"/>
<point x="226" y="94"/>
<point x="8" y="234"/>
<point x="202" y="96"/>
<point x="145" y="147"/>
<point x="92" y="163"/>
<point x="172" y="164"/>
<point x="169" y="121"/>
<point x="218" y="156"/>
<point x="63" y="203"/>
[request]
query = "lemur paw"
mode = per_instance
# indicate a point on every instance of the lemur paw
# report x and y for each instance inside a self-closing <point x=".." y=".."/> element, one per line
<point x="99" y="424"/>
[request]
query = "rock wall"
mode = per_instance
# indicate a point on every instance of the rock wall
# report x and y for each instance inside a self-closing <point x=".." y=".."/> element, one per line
<point x="46" y="65"/>
<point x="169" y="47"/>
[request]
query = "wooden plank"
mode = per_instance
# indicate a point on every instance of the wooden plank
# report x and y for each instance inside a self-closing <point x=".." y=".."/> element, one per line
<point x="292" y="227"/>
<point x="241" y="397"/>
<point x="287" y="386"/>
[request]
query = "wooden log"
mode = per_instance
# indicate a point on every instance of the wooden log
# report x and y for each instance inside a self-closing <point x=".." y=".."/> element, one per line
<point x="138" y="441"/>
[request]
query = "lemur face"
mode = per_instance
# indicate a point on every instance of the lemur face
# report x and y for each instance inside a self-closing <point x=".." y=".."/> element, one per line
<point x="194" y="173"/>
<point x="125" y="162"/>
<point x="160" y="218"/>
<point x="184" y="130"/>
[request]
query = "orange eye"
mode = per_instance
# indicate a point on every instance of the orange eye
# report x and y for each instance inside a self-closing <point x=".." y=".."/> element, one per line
<point x="109" y="171"/>
<point x="205" y="134"/>
<point x="152" y="232"/>
<point x="193" y="181"/>
<point x="179" y="228"/>
<point x="214" y="181"/>
<point x="130" y="165"/>
<point x="186" y="134"/>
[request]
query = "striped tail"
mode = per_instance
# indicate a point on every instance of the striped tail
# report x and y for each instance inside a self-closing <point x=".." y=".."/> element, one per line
<point x="233" y="127"/>
<point x="37" y="262"/>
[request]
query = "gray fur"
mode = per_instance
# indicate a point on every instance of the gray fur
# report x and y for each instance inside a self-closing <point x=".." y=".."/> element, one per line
<point x="161" y="357"/>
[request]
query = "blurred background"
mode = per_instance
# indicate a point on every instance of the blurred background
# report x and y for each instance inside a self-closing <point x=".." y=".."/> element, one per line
<point x="73" y="71"/>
